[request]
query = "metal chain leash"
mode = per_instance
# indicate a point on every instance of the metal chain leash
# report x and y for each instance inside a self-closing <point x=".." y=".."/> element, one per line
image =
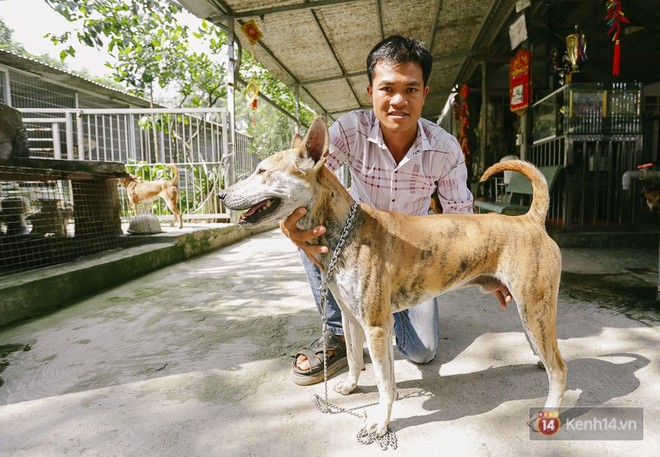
<point x="389" y="438"/>
<point x="323" y="292"/>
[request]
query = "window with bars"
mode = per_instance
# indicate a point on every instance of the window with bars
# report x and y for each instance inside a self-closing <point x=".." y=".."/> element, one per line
<point x="4" y="88"/>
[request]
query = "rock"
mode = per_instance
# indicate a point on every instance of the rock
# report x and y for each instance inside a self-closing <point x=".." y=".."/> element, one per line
<point x="144" y="224"/>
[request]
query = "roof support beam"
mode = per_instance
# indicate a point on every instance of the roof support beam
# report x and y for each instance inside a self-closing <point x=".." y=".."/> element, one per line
<point x="434" y="28"/>
<point x="287" y="8"/>
<point x="379" y="17"/>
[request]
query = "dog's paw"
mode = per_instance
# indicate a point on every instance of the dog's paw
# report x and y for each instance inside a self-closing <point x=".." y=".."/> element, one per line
<point x="345" y="387"/>
<point x="376" y="425"/>
<point x="377" y="420"/>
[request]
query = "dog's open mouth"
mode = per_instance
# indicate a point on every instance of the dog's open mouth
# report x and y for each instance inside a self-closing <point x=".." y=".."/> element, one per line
<point x="259" y="211"/>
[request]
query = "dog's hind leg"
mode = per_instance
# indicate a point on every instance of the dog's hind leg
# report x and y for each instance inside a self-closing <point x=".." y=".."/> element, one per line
<point x="540" y="325"/>
<point x="173" y="206"/>
<point x="179" y="216"/>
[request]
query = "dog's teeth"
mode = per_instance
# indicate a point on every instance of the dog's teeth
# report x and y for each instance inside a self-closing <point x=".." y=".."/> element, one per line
<point x="269" y="203"/>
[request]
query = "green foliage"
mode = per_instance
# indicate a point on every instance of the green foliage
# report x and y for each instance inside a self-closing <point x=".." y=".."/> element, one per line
<point x="142" y="36"/>
<point x="149" y="172"/>
<point x="6" y="41"/>
<point x="275" y="89"/>
<point x="270" y="130"/>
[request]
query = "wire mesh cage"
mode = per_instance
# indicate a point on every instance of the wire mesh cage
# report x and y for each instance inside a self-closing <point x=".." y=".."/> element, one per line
<point x="48" y="217"/>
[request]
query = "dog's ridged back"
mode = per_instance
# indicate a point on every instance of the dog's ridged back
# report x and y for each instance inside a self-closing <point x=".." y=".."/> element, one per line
<point x="540" y="198"/>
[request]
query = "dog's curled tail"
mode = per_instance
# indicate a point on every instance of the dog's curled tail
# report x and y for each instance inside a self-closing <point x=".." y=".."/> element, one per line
<point x="175" y="178"/>
<point x="540" y="198"/>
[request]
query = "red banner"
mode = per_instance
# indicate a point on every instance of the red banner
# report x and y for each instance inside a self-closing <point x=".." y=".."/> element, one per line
<point x="520" y="70"/>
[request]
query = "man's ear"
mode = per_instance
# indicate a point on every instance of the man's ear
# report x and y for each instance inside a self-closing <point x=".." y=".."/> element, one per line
<point x="297" y="141"/>
<point x="317" y="140"/>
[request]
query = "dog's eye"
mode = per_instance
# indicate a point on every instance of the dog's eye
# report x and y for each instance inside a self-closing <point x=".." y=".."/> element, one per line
<point x="261" y="171"/>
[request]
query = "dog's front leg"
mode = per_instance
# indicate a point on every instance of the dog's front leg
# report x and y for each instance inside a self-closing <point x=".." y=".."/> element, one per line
<point x="354" y="337"/>
<point x="379" y="341"/>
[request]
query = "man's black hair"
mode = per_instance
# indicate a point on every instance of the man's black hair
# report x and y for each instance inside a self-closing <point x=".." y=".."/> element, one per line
<point x="397" y="50"/>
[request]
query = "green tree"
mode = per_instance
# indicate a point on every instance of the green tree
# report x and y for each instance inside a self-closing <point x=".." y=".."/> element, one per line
<point x="150" y="47"/>
<point x="142" y="36"/>
<point x="6" y="39"/>
<point x="270" y="131"/>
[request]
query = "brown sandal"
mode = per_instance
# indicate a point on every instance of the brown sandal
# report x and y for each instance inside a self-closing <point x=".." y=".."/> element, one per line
<point x="314" y="353"/>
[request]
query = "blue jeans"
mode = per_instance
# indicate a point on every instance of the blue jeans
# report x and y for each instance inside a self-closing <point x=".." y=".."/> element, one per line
<point x="417" y="329"/>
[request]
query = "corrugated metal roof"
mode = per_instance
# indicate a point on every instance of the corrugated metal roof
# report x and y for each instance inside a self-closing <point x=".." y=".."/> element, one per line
<point x="35" y="67"/>
<point x="321" y="46"/>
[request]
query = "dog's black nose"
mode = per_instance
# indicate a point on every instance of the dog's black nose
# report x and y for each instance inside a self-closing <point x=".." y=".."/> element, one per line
<point x="222" y="196"/>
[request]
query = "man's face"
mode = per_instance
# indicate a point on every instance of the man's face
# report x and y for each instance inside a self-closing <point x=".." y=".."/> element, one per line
<point x="397" y="95"/>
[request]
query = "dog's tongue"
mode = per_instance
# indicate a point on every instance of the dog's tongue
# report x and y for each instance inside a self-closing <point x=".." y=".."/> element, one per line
<point x="254" y="209"/>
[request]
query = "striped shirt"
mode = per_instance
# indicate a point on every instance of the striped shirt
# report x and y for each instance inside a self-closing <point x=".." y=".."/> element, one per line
<point x="435" y="161"/>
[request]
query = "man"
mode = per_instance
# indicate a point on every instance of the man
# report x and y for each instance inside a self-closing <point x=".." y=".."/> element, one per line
<point x="397" y="160"/>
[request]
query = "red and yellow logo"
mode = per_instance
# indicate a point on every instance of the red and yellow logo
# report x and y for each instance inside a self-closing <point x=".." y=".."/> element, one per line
<point x="548" y="423"/>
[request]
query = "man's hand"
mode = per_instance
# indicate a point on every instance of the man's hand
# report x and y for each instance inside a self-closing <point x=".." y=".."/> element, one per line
<point x="503" y="295"/>
<point x="301" y="238"/>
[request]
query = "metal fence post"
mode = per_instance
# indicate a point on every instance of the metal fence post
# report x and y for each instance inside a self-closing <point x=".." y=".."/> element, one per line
<point x="81" y="140"/>
<point x="231" y="105"/>
<point x="70" y="153"/>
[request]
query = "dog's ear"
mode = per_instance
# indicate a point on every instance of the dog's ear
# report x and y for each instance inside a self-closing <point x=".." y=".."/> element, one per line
<point x="317" y="140"/>
<point x="297" y="141"/>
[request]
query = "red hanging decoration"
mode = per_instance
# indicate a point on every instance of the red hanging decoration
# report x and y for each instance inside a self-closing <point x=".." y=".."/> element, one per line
<point x="615" y="18"/>
<point x="464" y="116"/>
<point x="251" y="31"/>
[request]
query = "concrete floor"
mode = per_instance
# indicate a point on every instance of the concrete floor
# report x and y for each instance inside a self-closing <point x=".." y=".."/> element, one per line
<point x="194" y="360"/>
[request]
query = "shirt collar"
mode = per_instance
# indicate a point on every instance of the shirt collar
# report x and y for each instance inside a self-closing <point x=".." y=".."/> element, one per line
<point x="421" y="142"/>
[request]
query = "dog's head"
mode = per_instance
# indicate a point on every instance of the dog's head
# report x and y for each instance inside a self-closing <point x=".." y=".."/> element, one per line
<point x="129" y="179"/>
<point x="283" y="182"/>
<point x="652" y="199"/>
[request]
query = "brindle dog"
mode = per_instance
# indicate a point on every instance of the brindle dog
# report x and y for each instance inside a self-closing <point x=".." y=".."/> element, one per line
<point x="393" y="261"/>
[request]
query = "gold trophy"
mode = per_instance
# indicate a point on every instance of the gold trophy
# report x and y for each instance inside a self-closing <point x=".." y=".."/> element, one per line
<point x="576" y="47"/>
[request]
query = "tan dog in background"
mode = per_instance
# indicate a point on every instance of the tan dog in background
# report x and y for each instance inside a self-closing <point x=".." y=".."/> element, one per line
<point x="140" y="191"/>
<point x="392" y="261"/>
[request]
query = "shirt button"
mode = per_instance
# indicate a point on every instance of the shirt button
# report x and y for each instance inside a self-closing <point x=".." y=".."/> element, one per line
<point x="393" y="200"/>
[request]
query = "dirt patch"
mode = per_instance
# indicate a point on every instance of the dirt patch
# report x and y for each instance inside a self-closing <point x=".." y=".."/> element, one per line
<point x="624" y="293"/>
